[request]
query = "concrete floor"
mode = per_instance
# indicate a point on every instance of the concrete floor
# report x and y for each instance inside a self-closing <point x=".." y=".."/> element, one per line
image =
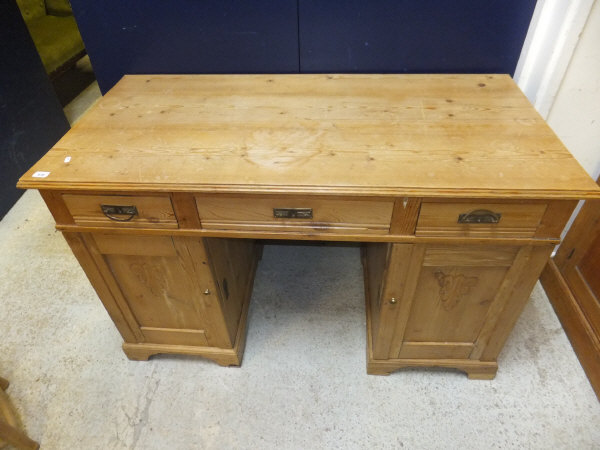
<point x="87" y="98"/>
<point x="302" y="384"/>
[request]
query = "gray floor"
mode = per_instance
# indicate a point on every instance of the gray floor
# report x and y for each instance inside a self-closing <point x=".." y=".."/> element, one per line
<point x="302" y="384"/>
<point x="77" y="107"/>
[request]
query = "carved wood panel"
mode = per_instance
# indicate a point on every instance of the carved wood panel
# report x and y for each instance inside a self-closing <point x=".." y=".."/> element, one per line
<point x="451" y="303"/>
<point x="168" y="287"/>
<point x="444" y="296"/>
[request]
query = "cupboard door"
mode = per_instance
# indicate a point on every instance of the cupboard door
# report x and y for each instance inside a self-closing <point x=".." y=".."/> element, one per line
<point x="162" y="285"/>
<point x="452" y="302"/>
<point x="232" y="262"/>
<point x="572" y="283"/>
<point x="454" y="293"/>
<point x="578" y="259"/>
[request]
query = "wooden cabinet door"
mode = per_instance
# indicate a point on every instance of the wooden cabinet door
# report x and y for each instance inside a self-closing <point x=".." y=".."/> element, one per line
<point x="166" y="289"/>
<point x="449" y="302"/>
<point x="572" y="282"/>
<point x="578" y="259"/>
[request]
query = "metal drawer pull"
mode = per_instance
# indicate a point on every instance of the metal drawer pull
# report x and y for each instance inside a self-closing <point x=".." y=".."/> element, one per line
<point x="111" y="211"/>
<point x="293" y="213"/>
<point x="480" y="216"/>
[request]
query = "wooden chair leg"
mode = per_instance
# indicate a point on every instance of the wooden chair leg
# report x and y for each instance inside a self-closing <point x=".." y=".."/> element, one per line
<point x="10" y="432"/>
<point x="16" y="437"/>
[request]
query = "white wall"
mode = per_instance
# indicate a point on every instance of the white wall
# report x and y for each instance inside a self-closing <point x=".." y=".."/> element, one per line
<point x="575" y="112"/>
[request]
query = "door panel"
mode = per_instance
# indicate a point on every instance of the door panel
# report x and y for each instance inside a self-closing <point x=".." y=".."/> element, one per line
<point x="451" y="302"/>
<point x="175" y="337"/>
<point x="435" y="350"/>
<point x="588" y="301"/>
<point x="375" y="259"/>
<point x="158" y="291"/>
<point x="170" y="289"/>
<point x="589" y="266"/>
<point x="446" y="302"/>
<point x="231" y="260"/>
<point x="395" y="296"/>
<point x="585" y="282"/>
<point x="167" y="285"/>
<point x="578" y="258"/>
<point x="572" y="282"/>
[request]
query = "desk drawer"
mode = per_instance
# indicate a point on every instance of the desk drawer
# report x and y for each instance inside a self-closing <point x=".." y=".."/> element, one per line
<point x="479" y="219"/>
<point x="122" y="211"/>
<point x="294" y="214"/>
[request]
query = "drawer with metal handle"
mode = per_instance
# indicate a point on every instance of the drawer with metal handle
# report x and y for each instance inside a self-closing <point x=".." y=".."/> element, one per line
<point x="127" y="211"/>
<point x="294" y="213"/>
<point x="479" y="219"/>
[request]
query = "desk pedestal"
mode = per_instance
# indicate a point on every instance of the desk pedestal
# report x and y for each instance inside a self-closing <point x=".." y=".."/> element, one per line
<point x="172" y="294"/>
<point x="445" y="306"/>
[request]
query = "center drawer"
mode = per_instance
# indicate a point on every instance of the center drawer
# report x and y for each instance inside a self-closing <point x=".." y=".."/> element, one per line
<point x="295" y="213"/>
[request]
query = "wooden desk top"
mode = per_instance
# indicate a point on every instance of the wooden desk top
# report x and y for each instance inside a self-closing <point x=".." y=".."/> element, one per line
<point x="388" y="135"/>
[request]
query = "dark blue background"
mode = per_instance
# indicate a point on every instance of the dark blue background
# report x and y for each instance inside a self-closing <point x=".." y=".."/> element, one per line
<point x="291" y="36"/>
<point x="416" y="36"/>
<point x="188" y="36"/>
<point x="31" y="118"/>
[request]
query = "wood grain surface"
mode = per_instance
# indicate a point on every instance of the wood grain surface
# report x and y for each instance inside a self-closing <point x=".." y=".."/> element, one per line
<point x="391" y="135"/>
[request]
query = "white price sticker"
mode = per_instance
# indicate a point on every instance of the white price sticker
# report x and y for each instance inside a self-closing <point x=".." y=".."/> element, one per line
<point x="39" y="174"/>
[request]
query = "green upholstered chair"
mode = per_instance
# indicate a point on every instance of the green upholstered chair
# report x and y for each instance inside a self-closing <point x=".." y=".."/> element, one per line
<point x="54" y="32"/>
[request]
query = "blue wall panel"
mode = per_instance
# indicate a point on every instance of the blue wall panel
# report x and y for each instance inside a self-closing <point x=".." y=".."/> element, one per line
<point x="31" y="118"/>
<point x="188" y="36"/>
<point x="414" y="36"/>
<point x="263" y="36"/>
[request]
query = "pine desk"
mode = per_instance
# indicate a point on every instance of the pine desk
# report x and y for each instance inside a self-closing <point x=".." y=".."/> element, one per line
<point x="456" y="187"/>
